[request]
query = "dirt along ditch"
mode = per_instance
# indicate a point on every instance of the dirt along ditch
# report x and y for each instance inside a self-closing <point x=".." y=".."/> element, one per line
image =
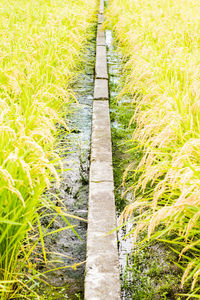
<point x="68" y="283"/>
<point x="148" y="271"/>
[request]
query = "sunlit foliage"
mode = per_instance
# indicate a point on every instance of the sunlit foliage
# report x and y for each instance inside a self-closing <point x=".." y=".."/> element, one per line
<point x="40" y="50"/>
<point x="160" y="41"/>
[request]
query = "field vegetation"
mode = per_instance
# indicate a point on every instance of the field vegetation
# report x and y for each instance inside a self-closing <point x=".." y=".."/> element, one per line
<point x="160" y="44"/>
<point x="41" y="43"/>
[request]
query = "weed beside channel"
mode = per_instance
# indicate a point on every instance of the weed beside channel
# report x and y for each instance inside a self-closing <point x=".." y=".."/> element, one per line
<point x="40" y="50"/>
<point x="160" y="43"/>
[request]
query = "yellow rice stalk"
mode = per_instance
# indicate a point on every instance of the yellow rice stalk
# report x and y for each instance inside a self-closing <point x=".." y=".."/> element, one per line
<point x="160" y="41"/>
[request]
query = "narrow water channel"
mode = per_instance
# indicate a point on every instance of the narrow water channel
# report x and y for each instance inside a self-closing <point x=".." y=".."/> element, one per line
<point x="68" y="283"/>
<point x="115" y="74"/>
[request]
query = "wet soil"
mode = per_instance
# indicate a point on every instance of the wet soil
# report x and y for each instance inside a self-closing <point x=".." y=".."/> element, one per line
<point x="67" y="248"/>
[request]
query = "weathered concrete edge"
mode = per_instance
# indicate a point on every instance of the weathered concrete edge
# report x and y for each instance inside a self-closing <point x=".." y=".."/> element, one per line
<point x="102" y="280"/>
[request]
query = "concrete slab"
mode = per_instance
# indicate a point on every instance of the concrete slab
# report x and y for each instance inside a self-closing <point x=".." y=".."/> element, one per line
<point x="102" y="193"/>
<point x="101" y="71"/>
<point x="101" y="140"/>
<point x="100" y="18"/>
<point x="101" y="106"/>
<point x="101" y="8"/>
<point x="101" y="89"/>
<point x="101" y="111"/>
<point x="102" y="267"/>
<point x="101" y="53"/>
<point x="103" y="156"/>
<point x="94" y="261"/>
<point x="101" y="171"/>
<point x="101" y="41"/>
<point x="98" y="124"/>
<point x="101" y="286"/>
<point x="99" y="226"/>
<point x="100" y="132"/>
<point x="103" y="241"/>
<point x="100" y="31"/>
<point x="101" y="147"/>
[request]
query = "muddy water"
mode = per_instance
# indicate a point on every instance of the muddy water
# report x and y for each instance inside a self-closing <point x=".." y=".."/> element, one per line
<point x="68" y="283"/>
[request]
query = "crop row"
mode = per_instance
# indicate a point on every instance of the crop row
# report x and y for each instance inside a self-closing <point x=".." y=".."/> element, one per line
<point x="41" y="43"/>
<point x="160" y="44"/>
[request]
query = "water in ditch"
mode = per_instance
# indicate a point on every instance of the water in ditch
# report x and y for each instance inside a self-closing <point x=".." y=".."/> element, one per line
<point x="67" y="248"/>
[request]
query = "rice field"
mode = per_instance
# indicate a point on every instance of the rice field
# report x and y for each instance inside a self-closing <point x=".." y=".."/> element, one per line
<point x="41" y="47"/>
<point x="41" y="52"/>
<point x="160" y="42"/>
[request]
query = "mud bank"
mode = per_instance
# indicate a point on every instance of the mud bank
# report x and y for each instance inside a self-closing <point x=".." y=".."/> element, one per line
<point x="68" y="282"/>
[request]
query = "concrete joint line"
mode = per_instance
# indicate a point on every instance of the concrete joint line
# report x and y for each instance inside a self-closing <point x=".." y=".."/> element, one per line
<point x="101" y="181"/>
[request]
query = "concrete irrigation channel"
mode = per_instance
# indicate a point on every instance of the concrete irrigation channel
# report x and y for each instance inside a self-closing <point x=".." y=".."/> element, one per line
<point x="87" y="191"/>
<point x="96" y="201"/>
<point x="102" y="266"/>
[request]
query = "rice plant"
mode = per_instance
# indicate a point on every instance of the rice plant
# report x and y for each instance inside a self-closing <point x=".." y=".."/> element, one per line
<point x="160" y="43"/>
<point x="41" y="43"/>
